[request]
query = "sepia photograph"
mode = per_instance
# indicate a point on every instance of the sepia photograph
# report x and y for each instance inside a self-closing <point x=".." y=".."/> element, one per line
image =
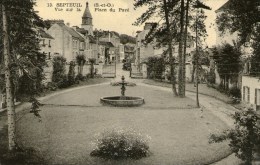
<point x="130" y="82"/>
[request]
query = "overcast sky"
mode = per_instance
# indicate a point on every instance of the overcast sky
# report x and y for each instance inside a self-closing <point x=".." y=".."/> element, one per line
<point x="116" y="21"/>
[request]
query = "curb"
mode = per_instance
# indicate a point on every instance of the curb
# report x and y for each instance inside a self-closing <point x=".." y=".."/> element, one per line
<point x="19" y="106"/>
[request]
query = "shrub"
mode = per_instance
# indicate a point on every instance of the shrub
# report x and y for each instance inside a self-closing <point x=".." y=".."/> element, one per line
<point x="235" y="92"/>
<point x="71" y="74"/>
<point x="52" y="86"/>
<point x="155" y="67"/>
<point x="244" y="138"/>
<point x="59" y="68"/>
<point x="80" y="77"/>
<point x="121" y="144"/>
<point x="92" y="62"/>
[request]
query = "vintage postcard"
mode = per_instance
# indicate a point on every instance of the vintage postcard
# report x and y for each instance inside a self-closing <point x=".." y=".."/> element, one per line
<point x="129" y="82"/>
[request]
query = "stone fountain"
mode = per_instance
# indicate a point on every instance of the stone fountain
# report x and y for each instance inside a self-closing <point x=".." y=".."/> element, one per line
<point x="123" y="100"/>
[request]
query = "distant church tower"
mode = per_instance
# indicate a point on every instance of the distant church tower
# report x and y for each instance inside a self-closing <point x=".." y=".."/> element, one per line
<point x="87" y="20"/>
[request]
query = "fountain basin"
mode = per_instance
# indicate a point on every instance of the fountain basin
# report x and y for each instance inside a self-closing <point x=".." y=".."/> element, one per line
<point x="125" y="101"/>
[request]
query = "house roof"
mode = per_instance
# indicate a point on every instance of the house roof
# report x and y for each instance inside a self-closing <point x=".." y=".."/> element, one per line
<point x="72" y="32"/>
<point x="87" y="13"/>
<point x="224" y="7"/>
<point x="44" y="34"/>
<point x="82" y="31"/>
<point x="129" y="48"/>
<point x="92" y="39"/>
<point x="106" y="44"/>
<point x="105" y="34"/>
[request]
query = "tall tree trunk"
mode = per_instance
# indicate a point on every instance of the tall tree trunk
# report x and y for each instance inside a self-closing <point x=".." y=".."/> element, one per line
<point x="180" y="57"/>
<point x="197" y="64"/>
<point x="193" y="72"/>
<point x="173" y="80"/>
<point x="185" y="44"/>
<point x="8" y="85"/>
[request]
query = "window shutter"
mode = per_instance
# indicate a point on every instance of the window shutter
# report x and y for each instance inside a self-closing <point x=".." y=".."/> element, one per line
<point x="255" y="96"/>
<point x="248" y="96"/>
<point x="244" y="90"/>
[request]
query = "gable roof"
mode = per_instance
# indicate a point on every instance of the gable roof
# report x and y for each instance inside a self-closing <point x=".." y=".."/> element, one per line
<point x="106" y="44"/>
<point x="44" y="34"/>
<point x="72" y="32"/>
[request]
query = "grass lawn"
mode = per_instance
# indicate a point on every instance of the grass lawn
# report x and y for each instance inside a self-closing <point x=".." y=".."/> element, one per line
<point x="179" y="135"/>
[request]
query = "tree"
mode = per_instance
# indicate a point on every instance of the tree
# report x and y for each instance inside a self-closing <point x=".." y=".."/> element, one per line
<point x="81" y="60"/>
<point x="244" y="138"/>
<point x="161" y="35"/>
<point x="169" y="32"/>
<point x="21" y="51"/>
<point x="59" y="68"/>
<point x="239" y="16"/>
<point x="255" y="60"/>
<point x="71" y="73"/>
<point x="8" y="84"/>
<point x="24" y="44"/>
<point x="92" y="62"/>
<point x="124" y="39"/>
<point x="228" y="62"/>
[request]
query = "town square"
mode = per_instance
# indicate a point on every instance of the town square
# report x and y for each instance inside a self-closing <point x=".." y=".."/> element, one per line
<point x="141" y="82"/>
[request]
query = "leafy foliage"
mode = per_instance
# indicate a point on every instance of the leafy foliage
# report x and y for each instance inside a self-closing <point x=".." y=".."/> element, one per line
<point x="59" y="67"/>
<point x="227" y="59"/>
<point x="235" y="92"/>
<point x="92" y="62"/>
<point x="155" y="67"/>
<point x="239" y="16"/>
<point x="24" y="43"/>
<point x="71" y="74"/>
<point x="121" y="144"/>
<point x="245" y="137"/>
<point x="255" y="60"/>
<point x="35" y="108"/>
<point x="124" y="39"/>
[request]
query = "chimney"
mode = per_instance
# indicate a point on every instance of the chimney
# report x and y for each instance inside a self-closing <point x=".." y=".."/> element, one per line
<point x="149" y="25"/>
<point x="68" y="24"/>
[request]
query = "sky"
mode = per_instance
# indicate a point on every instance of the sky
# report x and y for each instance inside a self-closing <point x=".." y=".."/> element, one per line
<point x="120" y="21"/>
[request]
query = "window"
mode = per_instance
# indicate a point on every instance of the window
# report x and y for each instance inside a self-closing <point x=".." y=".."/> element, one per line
<point x="246" y="94"/>
<point x="43" y="42"/>
<point x="49" y="43"/>
<point x="49" y="55"/>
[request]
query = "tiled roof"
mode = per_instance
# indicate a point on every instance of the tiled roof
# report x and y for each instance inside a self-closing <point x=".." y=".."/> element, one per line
<point x="82" y="31"/>
<point x="72" y="32"/>
<point x="92" y="39"/>
<point x="107" y="44"/>
<point x="224" y="7"/>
